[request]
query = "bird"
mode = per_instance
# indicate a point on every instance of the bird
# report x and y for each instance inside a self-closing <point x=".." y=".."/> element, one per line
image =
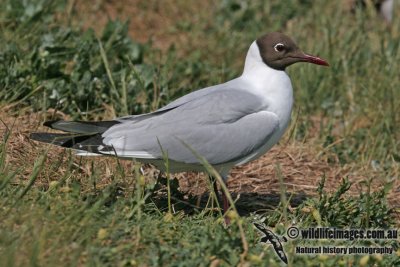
<point x="384" y="7"/>
<point x="270" y="237"/>
<point x="228" y="124"/>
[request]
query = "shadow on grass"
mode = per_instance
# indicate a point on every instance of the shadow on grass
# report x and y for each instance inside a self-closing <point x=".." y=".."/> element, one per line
<point x="246" y="202"/>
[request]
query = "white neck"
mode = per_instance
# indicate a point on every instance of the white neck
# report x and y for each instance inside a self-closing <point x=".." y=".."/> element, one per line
<point x="253" y="59"/>
<point x="254" y="65"/>
<point x="272" y="85"/>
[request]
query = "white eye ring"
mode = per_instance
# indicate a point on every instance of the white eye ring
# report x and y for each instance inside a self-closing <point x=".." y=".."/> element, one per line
<point x="279" y="47"/>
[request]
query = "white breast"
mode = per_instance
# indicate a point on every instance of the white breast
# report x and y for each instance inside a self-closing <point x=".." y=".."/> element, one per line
<point x="275" y="88"/>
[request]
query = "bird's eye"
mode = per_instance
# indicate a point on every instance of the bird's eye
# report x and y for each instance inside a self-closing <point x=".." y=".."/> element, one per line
<point x="279" y="47"/>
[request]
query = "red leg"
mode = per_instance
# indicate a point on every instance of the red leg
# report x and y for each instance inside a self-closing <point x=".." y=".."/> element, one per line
<point x="225" y="202"/>
<point x="226" y="205"/>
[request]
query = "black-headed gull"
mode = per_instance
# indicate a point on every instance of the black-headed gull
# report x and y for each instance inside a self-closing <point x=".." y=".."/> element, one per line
<point x="228" y="124"/>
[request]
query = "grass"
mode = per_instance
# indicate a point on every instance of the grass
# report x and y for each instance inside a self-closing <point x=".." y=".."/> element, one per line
<point x="342" y="150"/>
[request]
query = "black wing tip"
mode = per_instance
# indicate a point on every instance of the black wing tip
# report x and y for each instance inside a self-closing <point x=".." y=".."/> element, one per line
<point x="283" y="258"/>
<point x="34" y="136"/>
<point x="89" y="142"/>
<point x="106" y="124"/>
<point x="50" y="138"/>
<point x="38" y="136"/>
<point x="50" y="123"/>
<point x="44" y="138"/>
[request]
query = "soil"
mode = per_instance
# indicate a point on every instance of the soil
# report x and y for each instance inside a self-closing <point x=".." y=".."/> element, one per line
<point x="292" y="167"/>
<point x="162" y="24"/>
<point x="299" y="164"/>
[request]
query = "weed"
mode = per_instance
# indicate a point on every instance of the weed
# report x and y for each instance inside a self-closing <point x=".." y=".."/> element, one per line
<point x="65" y="211"/>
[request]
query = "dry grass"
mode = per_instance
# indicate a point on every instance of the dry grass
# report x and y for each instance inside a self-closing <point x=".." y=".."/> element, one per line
<point x="89" y="211"/>
<point x="301" y="164"/>
<point x="159" y="26"/>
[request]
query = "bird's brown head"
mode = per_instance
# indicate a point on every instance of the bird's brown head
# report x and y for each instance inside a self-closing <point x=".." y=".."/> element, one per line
<point x="278" y="51"/>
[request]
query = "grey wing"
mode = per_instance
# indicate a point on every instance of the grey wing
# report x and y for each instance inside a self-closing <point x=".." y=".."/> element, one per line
<point x="196" y="95"/>
<point x="180" y="101"/>
<point x="223" y="126"/>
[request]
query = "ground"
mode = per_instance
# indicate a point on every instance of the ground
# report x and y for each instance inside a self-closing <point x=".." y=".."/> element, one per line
<point x="61" y="209"/>
<point x="301" y="166"/>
